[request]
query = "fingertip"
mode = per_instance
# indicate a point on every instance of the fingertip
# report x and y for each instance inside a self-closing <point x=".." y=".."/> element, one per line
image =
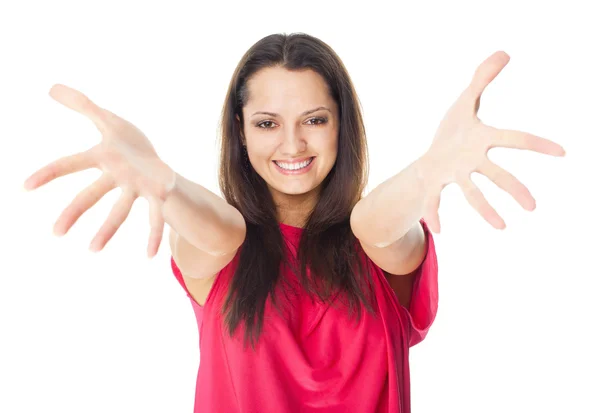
<point x="533" y="205"/>
<point x="57" y="231"/>
<point x="503" y="54"/>
<point x="556" y="150"/>
<point x="56" y="87"/>
<point x="28" y="184"/>
<point x="94" y="246"/>
<point x="53" y="89"/>
<point x="528" y="204"/>
<point x="150" y="251"/>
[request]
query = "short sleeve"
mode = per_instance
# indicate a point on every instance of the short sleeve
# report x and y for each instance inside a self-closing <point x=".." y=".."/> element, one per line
<point x="179" y="277"/>
<point x="216" y="285"/>
<point x="198" y="309"/>
<point x="424" y="296"/>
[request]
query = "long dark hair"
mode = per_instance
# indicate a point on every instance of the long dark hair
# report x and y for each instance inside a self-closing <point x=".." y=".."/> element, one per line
<point x="327" y="244"/>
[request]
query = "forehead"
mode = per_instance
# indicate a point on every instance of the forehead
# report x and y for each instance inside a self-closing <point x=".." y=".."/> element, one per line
<point x="277" y="88"/>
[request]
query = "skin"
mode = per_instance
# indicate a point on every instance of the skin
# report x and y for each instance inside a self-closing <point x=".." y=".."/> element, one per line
<point x="289" y="134"/>
<point x="385" y="221"/>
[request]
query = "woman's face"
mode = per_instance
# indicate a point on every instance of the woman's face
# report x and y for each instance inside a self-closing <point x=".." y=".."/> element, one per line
<point x="290" y="120"/>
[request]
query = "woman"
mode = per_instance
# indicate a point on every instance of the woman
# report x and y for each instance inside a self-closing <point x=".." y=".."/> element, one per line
<point x="307" y="295"/>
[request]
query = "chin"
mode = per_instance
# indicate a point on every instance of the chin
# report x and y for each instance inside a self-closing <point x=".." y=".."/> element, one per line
<point x="291" y="189"/>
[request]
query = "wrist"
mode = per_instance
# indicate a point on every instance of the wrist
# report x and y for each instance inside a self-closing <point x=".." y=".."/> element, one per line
<point x="430" y="170"/>
<point x="165" y="179"/>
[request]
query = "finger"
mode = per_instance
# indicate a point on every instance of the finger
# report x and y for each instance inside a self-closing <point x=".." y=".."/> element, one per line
<point x="506" y="181"/>
<point x="523" y="140"/>
<point x="77" y="101"/>
<point x="480" y="204"/>
<point x="486" y="72"/>
<point x="157" y="224"/>
<point x="432" y="217"/>
<point x="60" y="167"/>
<point x="81" y="203"/>
<point x="118" y="214"/>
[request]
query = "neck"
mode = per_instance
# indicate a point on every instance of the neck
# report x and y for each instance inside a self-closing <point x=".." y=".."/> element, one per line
<point x="294" y="209"/>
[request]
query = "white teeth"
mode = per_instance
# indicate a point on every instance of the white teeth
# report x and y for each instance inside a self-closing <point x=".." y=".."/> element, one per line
<point x="294" y="166"/>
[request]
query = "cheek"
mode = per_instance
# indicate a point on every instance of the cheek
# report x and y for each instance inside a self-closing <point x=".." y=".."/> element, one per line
<point x="259" y="157"/>
<point x="332" y="148"/>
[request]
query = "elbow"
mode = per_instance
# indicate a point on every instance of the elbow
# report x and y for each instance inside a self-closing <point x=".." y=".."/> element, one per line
<point x="215" y="240"/>
<point x="369" y="230"/>
<point x="225" y="239"/>
<point x="230" y="241"/>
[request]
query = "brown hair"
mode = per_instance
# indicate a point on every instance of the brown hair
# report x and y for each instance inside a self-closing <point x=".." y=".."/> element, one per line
<point x="327" y="244"/>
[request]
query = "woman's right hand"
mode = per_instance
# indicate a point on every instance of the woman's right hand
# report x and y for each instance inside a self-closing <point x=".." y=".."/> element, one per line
<point x="127" y="159"/>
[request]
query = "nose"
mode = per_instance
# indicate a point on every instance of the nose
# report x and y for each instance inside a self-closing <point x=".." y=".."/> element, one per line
<point x="292" y="141"/>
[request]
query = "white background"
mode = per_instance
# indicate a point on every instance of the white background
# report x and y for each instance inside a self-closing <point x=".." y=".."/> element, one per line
<point x="517" y="327"/>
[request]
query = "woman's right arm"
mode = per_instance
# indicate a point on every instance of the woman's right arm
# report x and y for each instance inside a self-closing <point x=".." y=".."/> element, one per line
<point x="206" y="231"/>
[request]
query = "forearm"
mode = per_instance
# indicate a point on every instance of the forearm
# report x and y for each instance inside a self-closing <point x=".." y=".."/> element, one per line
<point x="389" y="211"/>
<point x="203" y="219"/>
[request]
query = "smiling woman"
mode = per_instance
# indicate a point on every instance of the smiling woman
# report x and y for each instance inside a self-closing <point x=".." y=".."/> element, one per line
<point x="327" y="329"/>
<point x="290" y="147"/>
<point x="307" y="295"/>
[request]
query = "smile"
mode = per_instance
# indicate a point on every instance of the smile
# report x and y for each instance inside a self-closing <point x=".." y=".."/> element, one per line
<point x="294" y="168"/>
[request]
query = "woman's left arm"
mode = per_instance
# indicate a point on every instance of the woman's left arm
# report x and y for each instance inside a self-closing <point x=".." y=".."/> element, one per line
<point x="386" y="221"/>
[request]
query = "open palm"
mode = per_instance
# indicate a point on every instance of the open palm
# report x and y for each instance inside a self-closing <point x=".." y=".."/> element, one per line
<point x="127" y="159"/>
<point x="460" y="148"/>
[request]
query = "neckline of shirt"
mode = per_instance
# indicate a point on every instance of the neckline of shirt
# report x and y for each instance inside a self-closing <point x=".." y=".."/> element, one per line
<point x="291" y="228"/>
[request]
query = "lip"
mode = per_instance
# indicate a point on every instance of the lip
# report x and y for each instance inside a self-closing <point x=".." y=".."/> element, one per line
<point x="298" y="171"/>
<point x="297" y="160"/>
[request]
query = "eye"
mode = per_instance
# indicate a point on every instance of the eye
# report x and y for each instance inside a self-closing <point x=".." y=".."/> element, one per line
<point x="261" y="124"/>
<point x="319" y="120"/>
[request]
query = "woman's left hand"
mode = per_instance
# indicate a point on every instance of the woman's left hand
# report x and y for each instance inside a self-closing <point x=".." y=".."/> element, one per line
<point x="460" y="148"/>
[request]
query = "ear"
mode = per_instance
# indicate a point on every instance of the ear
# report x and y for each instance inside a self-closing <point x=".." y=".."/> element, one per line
<point x="241" y="128"/>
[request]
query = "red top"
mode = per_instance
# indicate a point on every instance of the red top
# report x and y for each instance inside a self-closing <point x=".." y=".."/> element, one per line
<point x="319" y="360"/>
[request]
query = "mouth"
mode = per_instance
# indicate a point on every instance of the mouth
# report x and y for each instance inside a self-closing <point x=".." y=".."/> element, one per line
<point x="297" y="168"/>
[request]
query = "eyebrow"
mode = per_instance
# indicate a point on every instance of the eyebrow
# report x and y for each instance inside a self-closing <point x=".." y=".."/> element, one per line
<point x="308" y="112"/>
